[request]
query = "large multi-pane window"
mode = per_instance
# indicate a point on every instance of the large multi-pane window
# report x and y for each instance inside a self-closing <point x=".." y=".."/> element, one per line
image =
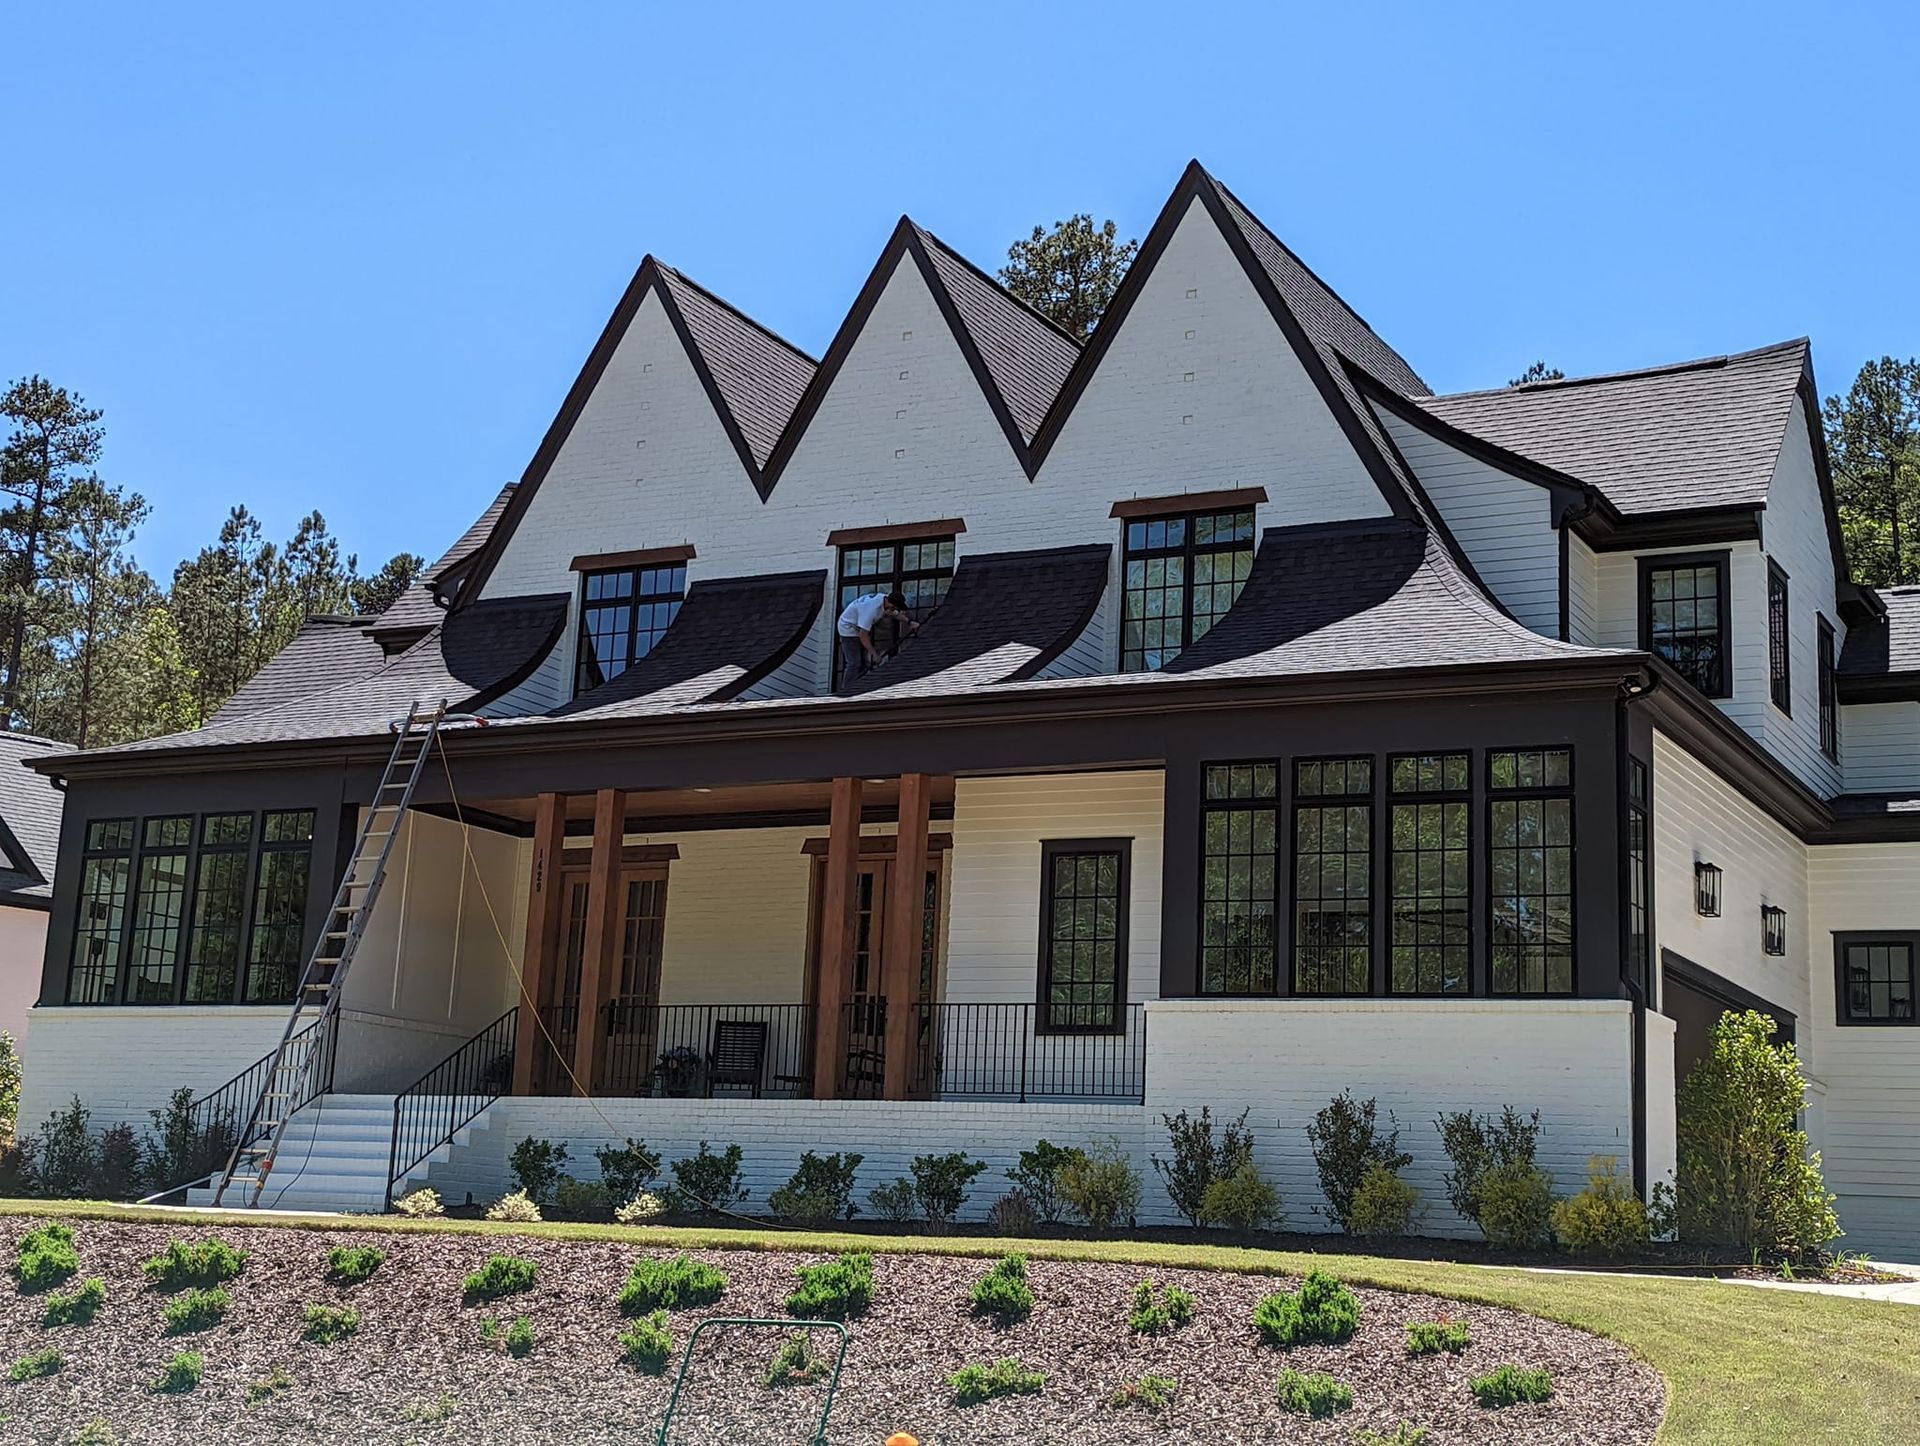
<point x="1639" y="876"/>
<point x="1530" y="870"/>
<point x="1239" y="910"/>
<point x="1779" y="635"/>
<point x="623" y="613"/>
<point x="1684" y="619"/>
<point x="1182" y="574"/>
<point x="1877" y="984"/>
<point x="1829" y="698"/>
<point x="1083" y="932"/>
<point x="1430" y="941"/>
<point x="922" y="569"/>
<point x="208" y="909"/>
<point x="1333" y="876"/>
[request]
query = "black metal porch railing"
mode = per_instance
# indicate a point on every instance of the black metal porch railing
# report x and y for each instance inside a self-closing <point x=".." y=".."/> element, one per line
<point x="998" y="1052"/>
<point x="450" y="1096"/>
<point x="697" y="1050"/>
<point x="553" y="1049"/>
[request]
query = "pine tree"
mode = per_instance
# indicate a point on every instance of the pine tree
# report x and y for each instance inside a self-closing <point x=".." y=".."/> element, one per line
<point x="375" y="594"/>
<point x="1873" y="442"/>
<point x="1070" y="273"/>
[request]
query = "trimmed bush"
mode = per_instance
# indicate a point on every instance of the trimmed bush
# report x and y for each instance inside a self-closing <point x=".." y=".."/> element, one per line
<point x="670" y="1285"/>
<point x="1430" y="1338"/>
<point x="1150" y="1393"/>
<point x="1155" y="1311"/>
<point x="1511" y="1386"/>
<point x="1322" y="1310"/>
<point x="1383" y="1205"/>
<point x="198" y="1309"/>
<point x="182" y="1373"/>
<point x="351" y="1264"/>
<point x="895" y="1202"/>
<point x="1607" y="1216"/>
<point x="1003" y="1292"/>
<point x="327" y="1325"/>
<point x="46" y="1257"/>
<point x="267" y="1387"/>
<point x="501" y="1275"/>
<point x="207" y="1262"/>
<point x="1405" y="1434"/>
<point x="45" y="1362"/>
<point x="833" y="1289"/>
<point x="709" y="1182"/>
<point x="420" y="1204"/>
<point x="940" y="1184"/>
<point x="77" y="1306"/>
<point x="1037" y="1177"/>
<point x="538" y="1166"/>
<point x="1479" y="1145"/>
<point x="1006" y="1377"/>
<point x="647" y="1344"/>
<point x="1012" y="1214"/>
<point x="1100" y="1185"/>
<point x="583" y="1199"/>
<point x="1516" y="1206"/>
<point x="1197" y="1161"/>
<point x="641" y="1208"/>
<point x="1347" y="1143"/>
<point x="516" y="1207"/>
<point x="520" y="1337"/>
<point x="1313" y="1393"/>
<point x="1241" y="1201"/>
<point x="821" y="1190"/>
<point x="796" y="1363"/>
<point x="628" y="1169"/>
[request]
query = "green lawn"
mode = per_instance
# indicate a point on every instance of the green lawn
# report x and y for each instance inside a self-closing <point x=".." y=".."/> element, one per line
<point x="1741" y="1365"/>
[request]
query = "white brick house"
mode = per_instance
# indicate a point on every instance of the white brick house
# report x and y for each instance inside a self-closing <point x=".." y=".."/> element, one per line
<point x="1274" y="727"/>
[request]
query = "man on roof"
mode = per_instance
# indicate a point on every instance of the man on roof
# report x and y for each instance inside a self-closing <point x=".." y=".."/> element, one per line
<point x="859" y="619"/>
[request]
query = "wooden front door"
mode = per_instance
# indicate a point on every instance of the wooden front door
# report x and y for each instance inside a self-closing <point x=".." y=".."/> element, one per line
<point x="633" y="1010"/>
<point x="864" y="1074"/>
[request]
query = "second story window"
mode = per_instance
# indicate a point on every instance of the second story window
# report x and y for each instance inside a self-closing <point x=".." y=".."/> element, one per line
<point x="1829" y="698"/>
<point x="1683" y="618"/>
<point x="1779" y="632"/>
<point x="921" y="568"/>
<point x="1182" y="574"/>
<point x="623" y="613"/>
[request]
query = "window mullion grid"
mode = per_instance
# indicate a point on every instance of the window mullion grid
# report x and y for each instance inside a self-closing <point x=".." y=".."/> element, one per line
<point x="1442" y="919"/>
<point x="1531" y="908"/>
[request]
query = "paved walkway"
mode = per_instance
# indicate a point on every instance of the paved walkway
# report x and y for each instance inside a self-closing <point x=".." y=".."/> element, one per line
<point x="1904" y="1292"/>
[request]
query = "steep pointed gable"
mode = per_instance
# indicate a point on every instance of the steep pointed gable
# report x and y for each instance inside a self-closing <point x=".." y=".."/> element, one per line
<point x="759" y="375"/>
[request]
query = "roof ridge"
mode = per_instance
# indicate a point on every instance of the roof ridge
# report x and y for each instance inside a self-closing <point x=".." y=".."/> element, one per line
<point x="998" y="285"/>
<point x="1698" y="364"/>
<point x="720" y="301"/>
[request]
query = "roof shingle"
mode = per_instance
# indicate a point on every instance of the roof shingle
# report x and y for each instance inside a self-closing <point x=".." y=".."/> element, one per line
<point x="761" y="375"/>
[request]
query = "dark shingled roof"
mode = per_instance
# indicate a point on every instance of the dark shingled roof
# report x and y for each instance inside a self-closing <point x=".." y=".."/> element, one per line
<point x="1701" y="434"/>
<point x="1006" y="616"/>
<point x="29" y="821"/>
<point x="1888" y="646"/>
<point x="326" y="652"/>
<point x="415" y="609"/>
<point x="760" y="375"/>
<point x="730" y="633"/>
<point x="1027" y="356"/>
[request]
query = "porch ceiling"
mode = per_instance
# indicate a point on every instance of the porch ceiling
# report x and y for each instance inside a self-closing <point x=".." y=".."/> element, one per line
<point x="652" y="809"/>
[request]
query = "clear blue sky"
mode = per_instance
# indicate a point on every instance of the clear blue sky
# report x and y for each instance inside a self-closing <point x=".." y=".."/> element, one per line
<point x="352" y="257"/>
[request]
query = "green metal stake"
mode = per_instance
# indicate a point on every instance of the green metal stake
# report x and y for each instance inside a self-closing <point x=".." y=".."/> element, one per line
<point x="819" y="1437"/>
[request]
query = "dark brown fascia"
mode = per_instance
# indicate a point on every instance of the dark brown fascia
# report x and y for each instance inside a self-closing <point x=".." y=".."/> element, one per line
<point x="896" y="532"/>
<point x="1177" y="504"/>
<point x="634" y="557"/>
<point x="1699" y="526"/>
<point x="1900" y="687"/>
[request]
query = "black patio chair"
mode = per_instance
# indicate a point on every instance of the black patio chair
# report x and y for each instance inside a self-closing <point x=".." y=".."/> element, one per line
<point x="739" y="1052"/>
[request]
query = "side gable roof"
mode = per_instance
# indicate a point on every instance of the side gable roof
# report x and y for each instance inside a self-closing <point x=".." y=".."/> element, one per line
<point x="30" y="808"/>
<point x="326" y="652"/>
<point x="419" y="607"/>
<point x="1880" y="661"/>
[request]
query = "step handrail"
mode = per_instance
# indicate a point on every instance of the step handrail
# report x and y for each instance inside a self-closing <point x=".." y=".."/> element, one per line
<point x="446" y="1099"/>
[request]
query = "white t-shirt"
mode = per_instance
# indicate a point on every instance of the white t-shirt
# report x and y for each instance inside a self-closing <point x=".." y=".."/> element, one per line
<point x="861" y="614"/>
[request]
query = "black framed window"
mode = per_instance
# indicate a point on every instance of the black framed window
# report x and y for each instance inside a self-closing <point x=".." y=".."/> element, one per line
<point x="1083" y="935"/>
<point x="106" y="863"/>
<point x="623" y="613"/>
<point x="922" y="569"/>
<point x="1779" y="637"/>
<point x="1684" y="618"/>
<point x="160" y="909"/>
<point x="279" y="906"/>
<point x="1430" y="929"/>
<point x="219" y="908"/>
<point x="1530" y="870"/>
<point x="1875" y="978"/>
<point x="1639" y="876"/>
<point x="1240" y="860"/>
<point x="1181" y="575"/>
<point x="1829" y="697"/>
<point x="1333" y="876"/>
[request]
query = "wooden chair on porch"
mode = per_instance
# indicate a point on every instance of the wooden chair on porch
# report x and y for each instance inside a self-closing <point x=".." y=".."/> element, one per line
<point x="738" y="1055"/>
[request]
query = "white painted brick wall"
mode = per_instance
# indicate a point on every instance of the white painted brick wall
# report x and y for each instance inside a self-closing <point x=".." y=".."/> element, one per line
<point x="123" y="1062"/>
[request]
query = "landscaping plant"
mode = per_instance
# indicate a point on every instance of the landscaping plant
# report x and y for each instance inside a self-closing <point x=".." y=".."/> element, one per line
<point x="1480" y="1145"/>
<point x="1515" y="1201"/>
<point x="1151" y="1393"/>
<point x="180" y="1148"/>
<point x="420" y="1205"/>
<point x="1430" y="1338"/>
<point x="269" y="1386"/>
<point x="1405" y="1434"/>
<point x="9" y="1088"/>
<point x="1197" y="1161"/>
<point x="538" y="1166"/>
<point x="648" y="1344"/>
<point x="1347" y="1142"/>
<point x="641" y="1208"/>
<point x="1241" y="1201"/>
<point x="1012" y="1214"/>
<point x="1156" y="1310"/>
<point x="1323" y="1310"/>
<point x="351" y="1264"/>
<point x="46" y="1257"/>
<point x="516" y="1207"/>
<point x="77" y="1306"/>
<point x="1607" y="1216"/>
<point x="520" y="1337"/>
<point x="833" y="1289"/>
<point x="182" y="1373"/>
<point x="940" y="1185"/>
<point x="670" y="1285"/>
<point x="501" y="1275"/>
<point x="796" y="1363"/>
<point x="44" y="1362"/>
<point x="821" y="1190"/>
<point x="629" y="1169"/>
<point x="709" y="1182"/>
<point x="1313" y="1393"/>
<point x="1511" y="1386"/>
<point x="1003" y="1292"/>
<point x="206" y="1262"/>
<point x="1383" y="1205"/>
<point x="1037" y="1177"/>
<point x="198" y="1309"/>
<point x="329" y="1324"/>
<point x="895" y="1202"/>
<point x="582" y="1199"/>
<point x="1100" y="1185"/>
<point x="1005" y="1377"/>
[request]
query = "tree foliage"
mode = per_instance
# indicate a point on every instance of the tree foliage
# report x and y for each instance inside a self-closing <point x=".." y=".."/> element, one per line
<point x="1873" y="443"/>
<point x="1538" y="372"/>
<point x="1069" y="273"/>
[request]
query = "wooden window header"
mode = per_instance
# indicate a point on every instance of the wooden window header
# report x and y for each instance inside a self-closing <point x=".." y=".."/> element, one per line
<point x="1188" y="502"/>
<point x="577" y="853"/>
<point x="881" y="844"/>
<point x="639" y="557"/>
<point x="895" y="532"/>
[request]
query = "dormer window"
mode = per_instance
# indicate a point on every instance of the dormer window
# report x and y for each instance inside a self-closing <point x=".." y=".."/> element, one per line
<point x="1183" y="571"/>
<point x="915" y="557"/>
<point x="1684" y="618"/>
<point x="627" y="603"/>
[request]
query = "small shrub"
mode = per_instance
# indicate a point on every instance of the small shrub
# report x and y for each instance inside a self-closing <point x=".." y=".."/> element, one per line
<point x="628" y="1169"/>
<point x="1479" y="1145"/>
<point x="894" y="1202"/>
<point x="709" y="1182"/>
<point x="1405" y="1434"/>
<point x="516" y="1207"/>
<point x="65" y="1155"/>
<point x="1012" y="1214"/>
<point x="833" y="1289"/>
<point x="501" y="1275"/>
<point x="538" y="1166"/>
<point x="46" y="1257"/>
<point x="1516" y="1206"/>
<point x="1155" y="1310"/>
<point x="441" y="1408"/>
<point x="1322" y="1310"/>
<point x="267" y="1387"/>
<point x="1511" y="1386"/>
<point x="1037" y="1177"/>
<point x="1150" y="1393"/>
<point x="820" y="1191"/>
<point x="1003" y="1292"/>
<point x="670" y="1285"/>
<point x="97" y="1432"/>
<point x="39" y="1363"/>
<point x="520" y="1337"/>
<point x="1006" y="1377"/>
<point x="207" y="1262"/>
<point x="490" y="1329"/>
<point x="1606" y="1216"/>
<point x="180" y="1148"/>
<point x="1100" y="1185"/>
<point x="77" y="1306"/>
<point x="1313" y="1393"/>
<point x="328" y="1325"/>
<point x="198" y="1309"/>
<point x="647" y="1344"/>
<point x="1430" y="1338"/>
<point x="420" y="1204"/>
<point x="641" y="1208"/>
<point x="1241" y="1201"/>
<point x="9" y="1087"/>
<point x="1197" y="1161"/>
<point x="940" y="1184"/>
<point x="182" y="1373"/>
<point x="796" y="1363"/>
<point x="1347" y="1142"/>
<point x="583" y="1199"/>
<point x="351" y="1264"/>
<point x="1383" y="1205"/>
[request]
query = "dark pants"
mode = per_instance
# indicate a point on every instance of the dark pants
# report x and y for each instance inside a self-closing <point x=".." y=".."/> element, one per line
<point x="853" y="660"/>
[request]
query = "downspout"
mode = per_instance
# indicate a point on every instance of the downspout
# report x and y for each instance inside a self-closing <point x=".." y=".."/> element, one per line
<point x="1630" y="693"/>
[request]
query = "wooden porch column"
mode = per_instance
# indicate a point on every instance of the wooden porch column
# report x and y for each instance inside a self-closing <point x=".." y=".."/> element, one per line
<point x="603" y="933"/>
<point x="839" y="935"/>
<point x="904" y="944"/>
<point x="543" y="934"/>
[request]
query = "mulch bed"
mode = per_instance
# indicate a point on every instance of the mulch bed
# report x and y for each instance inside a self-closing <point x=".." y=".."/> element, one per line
<point x="418" y="1369"/>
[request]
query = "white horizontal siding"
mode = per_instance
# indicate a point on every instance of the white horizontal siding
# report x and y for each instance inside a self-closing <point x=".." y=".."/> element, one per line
<point x="1880" y="746"/>
<point x="542" y="692"/>
<point x="1583" y="592"/>
<point x="1087" y="656"/>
